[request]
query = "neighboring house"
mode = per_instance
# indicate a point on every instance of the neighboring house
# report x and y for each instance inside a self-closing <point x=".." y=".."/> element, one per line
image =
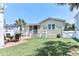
<point x="10" y="29"/>
<point x="49" y="27"/>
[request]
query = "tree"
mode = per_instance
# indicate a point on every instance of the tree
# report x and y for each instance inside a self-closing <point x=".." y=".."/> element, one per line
<point x="69" y="27"/>
<point x="20" y="23"/>
<point x="66" y="26"/>
<point x="73" y="27"/>
<point x="72" y="6"/>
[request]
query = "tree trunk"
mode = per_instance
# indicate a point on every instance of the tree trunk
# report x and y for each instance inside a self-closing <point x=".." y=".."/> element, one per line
<point x="20" y="30"/>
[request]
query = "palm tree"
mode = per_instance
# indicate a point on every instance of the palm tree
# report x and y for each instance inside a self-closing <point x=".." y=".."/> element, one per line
<point x="66" y="26"/>
<point x="72" y="6"/>
<point x="69" y="27"/>
<point x="20" y="23"/>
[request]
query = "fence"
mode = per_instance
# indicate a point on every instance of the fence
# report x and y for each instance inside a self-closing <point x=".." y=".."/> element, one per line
<point x="70" y="34"/>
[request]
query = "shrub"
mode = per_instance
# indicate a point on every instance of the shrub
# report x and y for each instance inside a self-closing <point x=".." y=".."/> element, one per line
<point x="58" y="35"/>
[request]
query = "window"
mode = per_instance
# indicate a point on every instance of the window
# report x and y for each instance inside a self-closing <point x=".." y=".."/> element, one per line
<point x="53" y="26"/>
<point x="49" y="26"/>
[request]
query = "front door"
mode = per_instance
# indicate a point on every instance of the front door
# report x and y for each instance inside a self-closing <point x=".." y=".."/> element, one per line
<point x="33" y="30"/>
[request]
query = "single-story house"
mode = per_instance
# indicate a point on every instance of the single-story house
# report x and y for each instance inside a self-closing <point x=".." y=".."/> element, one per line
<point x="49" y="27"/>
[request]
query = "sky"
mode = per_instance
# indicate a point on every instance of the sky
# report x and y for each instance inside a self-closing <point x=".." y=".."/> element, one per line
<point x="36" y="12"/>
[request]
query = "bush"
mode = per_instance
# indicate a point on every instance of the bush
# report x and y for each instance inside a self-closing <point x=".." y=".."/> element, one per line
<point x="58" y="35"/>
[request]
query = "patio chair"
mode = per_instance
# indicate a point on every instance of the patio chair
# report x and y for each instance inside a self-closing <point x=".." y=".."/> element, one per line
<point x="6" y="40"/>
<point x="17" y="37"/>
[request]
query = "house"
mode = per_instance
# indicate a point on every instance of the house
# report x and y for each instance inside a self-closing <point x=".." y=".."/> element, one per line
<point x="49" y="27"/>
<point x="10" y="29"/>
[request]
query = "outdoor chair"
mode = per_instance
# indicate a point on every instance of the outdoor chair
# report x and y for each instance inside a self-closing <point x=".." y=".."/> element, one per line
<point x="5" y="41"/>
<point x="17" y="37"/>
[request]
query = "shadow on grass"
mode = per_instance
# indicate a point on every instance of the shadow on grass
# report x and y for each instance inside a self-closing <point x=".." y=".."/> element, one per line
<point x="76" y="39"/>
<point x="54" y="48"/>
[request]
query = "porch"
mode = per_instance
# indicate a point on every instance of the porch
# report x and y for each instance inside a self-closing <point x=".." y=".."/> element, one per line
<point x="33" y="30"/>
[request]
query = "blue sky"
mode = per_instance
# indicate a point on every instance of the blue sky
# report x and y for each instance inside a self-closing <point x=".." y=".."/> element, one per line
<point x="34" y="13"/>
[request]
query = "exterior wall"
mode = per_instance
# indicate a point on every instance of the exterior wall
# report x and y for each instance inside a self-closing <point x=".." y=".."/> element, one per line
<point x="26" y="31"/>
<point x="51" y="32"/>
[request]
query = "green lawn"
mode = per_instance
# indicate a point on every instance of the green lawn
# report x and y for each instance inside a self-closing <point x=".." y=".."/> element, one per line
<point x="43" y="47"/>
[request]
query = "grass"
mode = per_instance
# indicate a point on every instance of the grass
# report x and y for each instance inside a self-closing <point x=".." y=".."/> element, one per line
<point x="43" y="47"/>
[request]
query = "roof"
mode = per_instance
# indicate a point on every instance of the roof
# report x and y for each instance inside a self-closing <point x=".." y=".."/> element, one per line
<point x="34" y="24"/>
<point x="50" y="18"/>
